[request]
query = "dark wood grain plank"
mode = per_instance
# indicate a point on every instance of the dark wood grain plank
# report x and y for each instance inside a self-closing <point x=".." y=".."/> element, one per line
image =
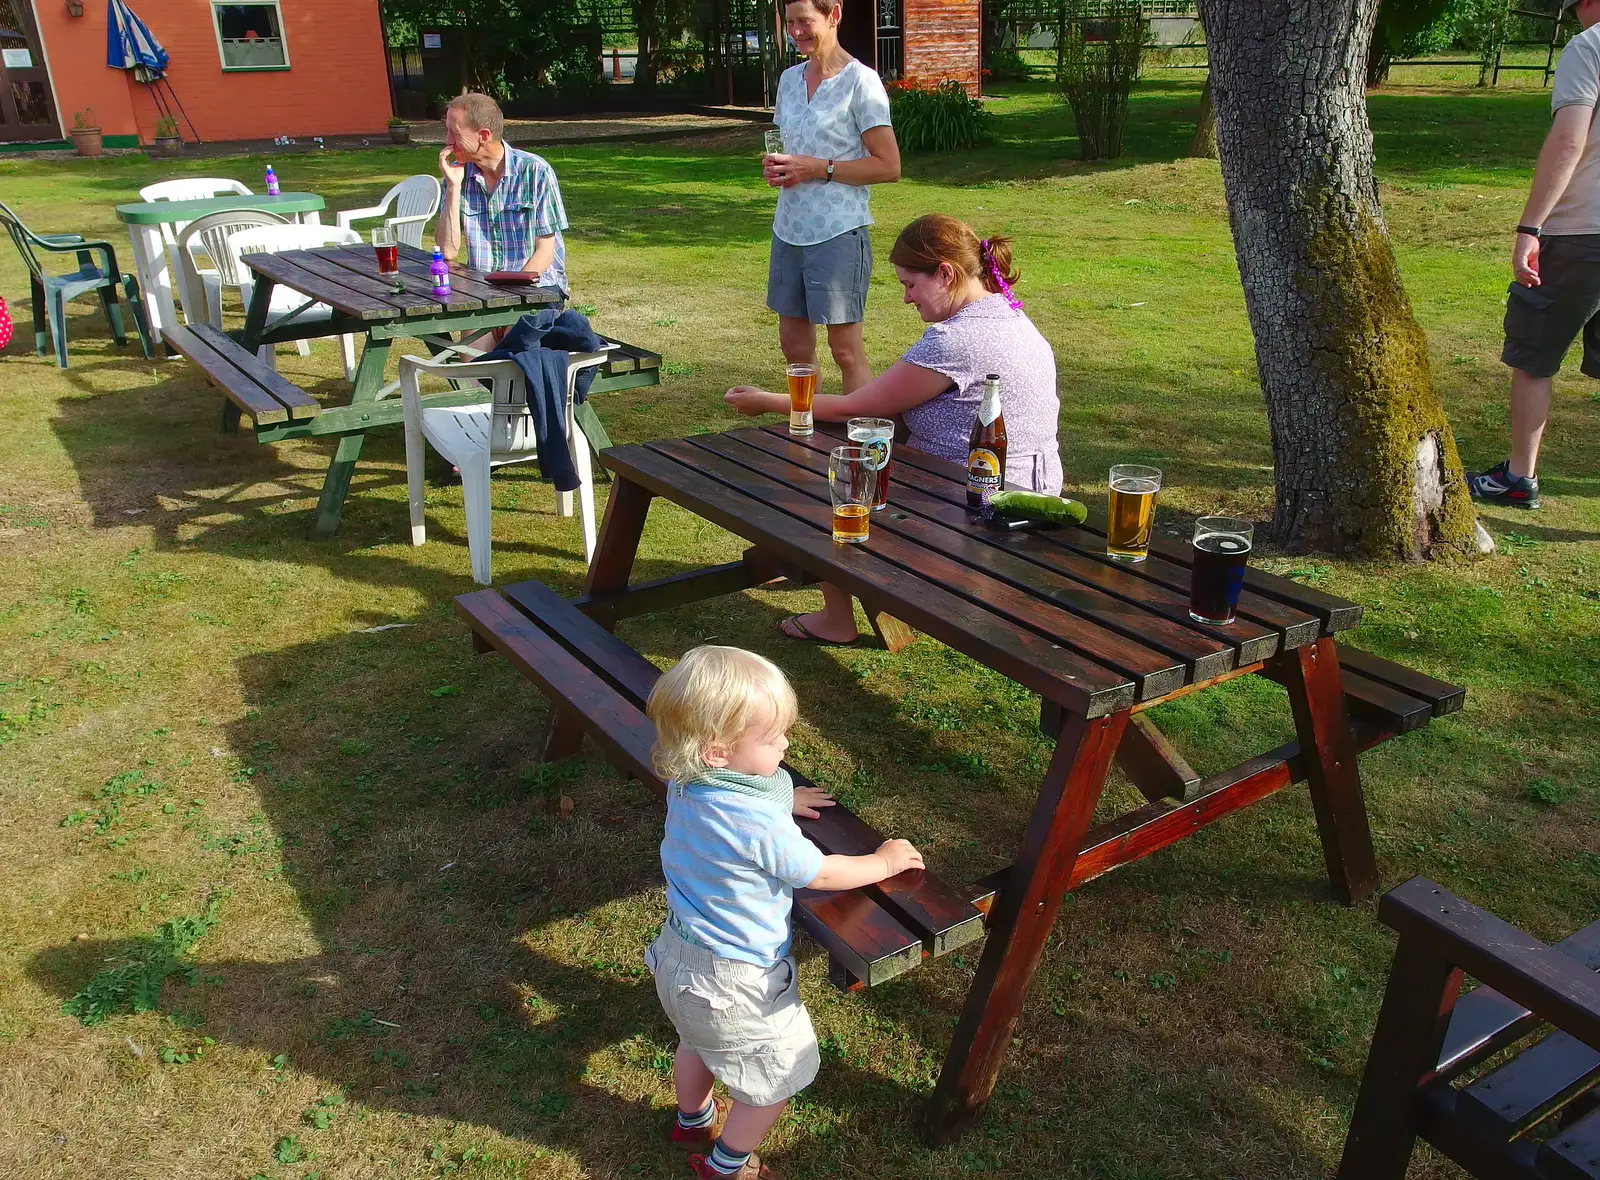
<point x="920" y="566"/>
<point x="1143" y="609"/>
<point x="858" y="932"/>
<point x="475" y="284"/>
<point x="300" y="404"/>
<point x="1509" y="1100"/>
<point x="357" y="267"/>
<point x="237" y="387"/>
<point x="286" y="269"/>
<point x="1574" y="1154"/>
<point x="931" y="476"/>
<point x="1045" y="668"/>
<point x="1443" y="698"/>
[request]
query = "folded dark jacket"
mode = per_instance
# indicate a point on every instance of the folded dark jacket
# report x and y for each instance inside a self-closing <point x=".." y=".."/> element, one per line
<point x="540" y="344"/>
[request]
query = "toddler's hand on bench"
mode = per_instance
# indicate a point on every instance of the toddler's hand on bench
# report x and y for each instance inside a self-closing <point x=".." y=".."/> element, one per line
<point x="808" y="799"/>
<point x="899" y="855"/>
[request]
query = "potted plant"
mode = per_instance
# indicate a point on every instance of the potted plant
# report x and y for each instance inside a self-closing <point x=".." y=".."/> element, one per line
<point x="86" y="135"/>
<point x="168" y="141"/>
<point x="399" y="130"/>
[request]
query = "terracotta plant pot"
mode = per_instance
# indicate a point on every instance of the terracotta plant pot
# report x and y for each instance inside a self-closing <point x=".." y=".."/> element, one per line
<point x="401" y="134"/>
<point x="167" y="145"/>
<point x="87" y="140"/>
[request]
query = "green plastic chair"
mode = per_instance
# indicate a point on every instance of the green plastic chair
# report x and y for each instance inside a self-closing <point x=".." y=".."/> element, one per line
<point x="51" y="292"/>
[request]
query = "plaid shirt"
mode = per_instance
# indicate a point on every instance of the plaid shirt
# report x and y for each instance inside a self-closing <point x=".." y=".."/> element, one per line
<point x="499" y="228"/>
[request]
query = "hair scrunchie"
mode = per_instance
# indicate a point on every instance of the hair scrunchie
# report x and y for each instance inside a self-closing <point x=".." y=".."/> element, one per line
<point x="1000" y="279"/>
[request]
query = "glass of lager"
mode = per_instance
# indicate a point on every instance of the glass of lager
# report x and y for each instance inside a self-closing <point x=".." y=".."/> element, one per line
<point x="853" y="482"/>
<point x="802" y="391"/>
<point x="1221" y="549"/>
<point x="876" y="437"/>
<point x="1132" y="511"/>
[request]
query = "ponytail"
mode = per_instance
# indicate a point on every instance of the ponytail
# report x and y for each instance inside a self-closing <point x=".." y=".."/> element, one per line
<point x="937" y="238"/>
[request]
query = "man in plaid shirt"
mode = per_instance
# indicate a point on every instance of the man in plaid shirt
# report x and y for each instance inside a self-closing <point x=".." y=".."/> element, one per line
<point x="502" y="204"/>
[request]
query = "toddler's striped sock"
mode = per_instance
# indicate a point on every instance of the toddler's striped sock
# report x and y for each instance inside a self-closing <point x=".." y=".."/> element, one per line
<point x="725" y="1159"/>
<point x="706" y="1116"/>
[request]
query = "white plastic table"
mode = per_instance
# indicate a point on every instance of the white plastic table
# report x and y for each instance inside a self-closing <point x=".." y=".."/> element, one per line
<point x="144" y="220"/>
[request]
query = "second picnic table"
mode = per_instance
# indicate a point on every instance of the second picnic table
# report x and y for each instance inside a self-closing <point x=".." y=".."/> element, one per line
<point x="380" y="309"/>
<point x="1100" y="642"/>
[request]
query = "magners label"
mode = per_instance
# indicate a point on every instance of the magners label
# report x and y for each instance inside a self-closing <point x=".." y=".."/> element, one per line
<point x="800" y="422"/>
<point x="984" y="473"/>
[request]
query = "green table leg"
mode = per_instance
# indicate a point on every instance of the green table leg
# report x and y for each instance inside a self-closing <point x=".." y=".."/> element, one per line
<point x="369" y="379"/>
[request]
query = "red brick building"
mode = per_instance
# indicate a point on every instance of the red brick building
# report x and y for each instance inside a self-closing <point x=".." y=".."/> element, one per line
<point x="249" y="70"/>
<point x="926" y="40"/>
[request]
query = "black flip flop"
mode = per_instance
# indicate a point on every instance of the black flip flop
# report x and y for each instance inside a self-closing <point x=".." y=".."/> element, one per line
<point x="806" y="636"/>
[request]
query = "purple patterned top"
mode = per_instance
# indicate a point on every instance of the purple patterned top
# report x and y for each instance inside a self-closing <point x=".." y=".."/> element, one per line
<point x="982" y="338"/>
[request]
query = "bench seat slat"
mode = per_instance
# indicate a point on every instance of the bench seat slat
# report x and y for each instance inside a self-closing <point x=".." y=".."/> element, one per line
<point x="1385" y="706"/>
<point x="1523" y="1091"/>
<point x="1445" y="698"/>
<point x="851" y="925"/>
<point x="1575" y="1153"/>
<point x="225" y="375"/>
<point x="921" y="900"/>
<point x="299" y="404"/>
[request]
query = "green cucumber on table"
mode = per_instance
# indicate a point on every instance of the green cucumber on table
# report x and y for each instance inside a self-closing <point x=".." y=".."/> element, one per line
<point x="1038" y="507"/>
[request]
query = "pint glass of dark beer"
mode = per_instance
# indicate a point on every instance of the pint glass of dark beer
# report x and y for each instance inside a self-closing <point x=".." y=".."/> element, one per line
<point x="1221" y="550"/>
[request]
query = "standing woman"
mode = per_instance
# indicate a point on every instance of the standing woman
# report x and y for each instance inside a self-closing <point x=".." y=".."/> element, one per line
<point x="834" y="115"/>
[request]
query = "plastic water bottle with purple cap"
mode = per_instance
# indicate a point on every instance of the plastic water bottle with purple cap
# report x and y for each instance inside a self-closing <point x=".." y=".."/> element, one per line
<point x="272" y="182"/>
<point x="440" y="270"/>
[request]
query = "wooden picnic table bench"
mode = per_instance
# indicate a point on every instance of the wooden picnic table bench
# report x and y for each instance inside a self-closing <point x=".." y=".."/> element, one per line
<point x="1100" y="642"/>
<point x="1534" y="1116"/>
<point x="380" y="309"/>
<point x="871" y="934"/>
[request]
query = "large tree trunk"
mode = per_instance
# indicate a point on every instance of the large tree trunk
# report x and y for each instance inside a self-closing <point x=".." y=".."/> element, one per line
<point x="1204" y="144"/>
<point x="1365" y="460"/>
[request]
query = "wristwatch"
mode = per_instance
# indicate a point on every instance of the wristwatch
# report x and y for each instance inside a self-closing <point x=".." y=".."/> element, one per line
<point x="1533" y="231"/>
<point x="830" y="169"/>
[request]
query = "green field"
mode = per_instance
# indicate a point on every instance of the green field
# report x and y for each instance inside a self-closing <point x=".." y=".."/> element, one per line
<point x="382" y="951"/>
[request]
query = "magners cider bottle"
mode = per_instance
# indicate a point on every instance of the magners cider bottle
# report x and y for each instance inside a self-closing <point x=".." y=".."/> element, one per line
<point x="986" y="453"/>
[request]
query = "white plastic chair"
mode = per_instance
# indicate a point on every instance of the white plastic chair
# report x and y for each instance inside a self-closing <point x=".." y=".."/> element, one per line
<point x="270" y="239"/>
<point x="416" y="200"/>
<point x="199" y="188"/>
<point x="206" y="238"/>
<point x="477" y="438"/>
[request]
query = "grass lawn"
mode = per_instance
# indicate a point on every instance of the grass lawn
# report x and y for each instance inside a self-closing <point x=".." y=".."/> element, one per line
<point x="380" y="951"/>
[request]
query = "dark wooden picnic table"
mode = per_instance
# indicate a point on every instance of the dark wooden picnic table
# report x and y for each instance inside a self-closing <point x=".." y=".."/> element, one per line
<point x="380" y="309"/>
<point x="1100" y="642"/>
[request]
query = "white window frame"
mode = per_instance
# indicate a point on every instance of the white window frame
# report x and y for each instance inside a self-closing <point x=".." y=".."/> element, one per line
<point x="216" y="29"/>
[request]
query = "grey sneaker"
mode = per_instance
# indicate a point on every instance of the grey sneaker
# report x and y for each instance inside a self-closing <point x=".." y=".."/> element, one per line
<point x="1498" y="486"/>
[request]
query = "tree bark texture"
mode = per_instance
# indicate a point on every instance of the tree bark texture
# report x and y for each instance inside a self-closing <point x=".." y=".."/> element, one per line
<point x="1365" y="461"/>
<point x="1204" y="144"/>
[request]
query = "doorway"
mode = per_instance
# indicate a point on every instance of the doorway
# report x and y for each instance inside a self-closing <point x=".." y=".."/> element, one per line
<point x="27" y="112"/>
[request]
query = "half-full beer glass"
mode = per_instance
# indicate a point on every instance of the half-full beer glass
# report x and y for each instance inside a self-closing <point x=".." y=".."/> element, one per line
<point x="876" y="437"/>
<point x="802" y="391"/>
<point x="1132" y="511"/>
<point x="853" y="483"/>
<point x="1221" y="550"/>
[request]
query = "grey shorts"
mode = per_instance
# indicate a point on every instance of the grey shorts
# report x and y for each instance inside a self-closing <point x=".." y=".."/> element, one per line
<point x="1543" y="321"/>
<point x="745" y="1022"/>
<point x="825" y="283"/>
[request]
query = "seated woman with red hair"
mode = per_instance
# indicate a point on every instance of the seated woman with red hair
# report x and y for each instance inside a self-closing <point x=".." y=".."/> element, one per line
<point x="961" y="287"/>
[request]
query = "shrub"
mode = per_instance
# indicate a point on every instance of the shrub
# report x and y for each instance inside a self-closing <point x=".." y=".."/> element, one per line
<point x="938" y="118"/>
<point x="1099" y="51"/>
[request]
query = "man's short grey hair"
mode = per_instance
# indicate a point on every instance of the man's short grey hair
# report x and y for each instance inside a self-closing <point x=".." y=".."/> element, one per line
<point x="481" y="113"/>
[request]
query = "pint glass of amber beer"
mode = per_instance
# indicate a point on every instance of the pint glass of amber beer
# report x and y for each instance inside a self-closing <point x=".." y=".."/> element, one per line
<point x="802" y="392"/>
<point x="853" y="483"/>
<point x="1132" y="511"/>
<point x="876" y="437"/>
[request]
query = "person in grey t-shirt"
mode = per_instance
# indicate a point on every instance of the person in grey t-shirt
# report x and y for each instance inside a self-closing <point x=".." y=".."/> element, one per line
<point x="1556" y="264"/>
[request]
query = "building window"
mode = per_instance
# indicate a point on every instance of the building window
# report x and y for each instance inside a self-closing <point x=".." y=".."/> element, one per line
<point x="250" y="36"/>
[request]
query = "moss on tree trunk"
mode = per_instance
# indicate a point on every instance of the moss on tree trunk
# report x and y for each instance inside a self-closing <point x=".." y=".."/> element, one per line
<point x="1365" y="461"/>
